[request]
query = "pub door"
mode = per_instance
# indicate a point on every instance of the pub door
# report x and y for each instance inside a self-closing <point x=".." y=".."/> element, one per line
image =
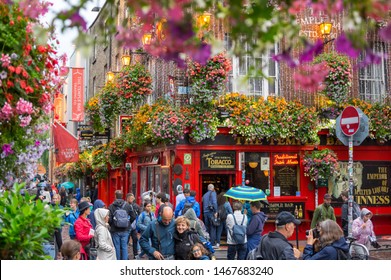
<point x="222" y="182"/>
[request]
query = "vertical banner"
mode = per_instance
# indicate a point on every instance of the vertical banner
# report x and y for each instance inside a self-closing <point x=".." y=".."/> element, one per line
<point x="77" y="94"/>
<point x="59" y="107"/>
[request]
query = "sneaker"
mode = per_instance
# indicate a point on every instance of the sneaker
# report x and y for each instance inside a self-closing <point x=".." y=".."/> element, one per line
<point x="217" y="246"/>
<point x="137" y="257"/>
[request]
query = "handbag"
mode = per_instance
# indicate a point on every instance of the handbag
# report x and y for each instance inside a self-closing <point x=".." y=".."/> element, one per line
<point x="216" y="221"/>
<point x="93" y="250"/>
<point x="373" y="242"/>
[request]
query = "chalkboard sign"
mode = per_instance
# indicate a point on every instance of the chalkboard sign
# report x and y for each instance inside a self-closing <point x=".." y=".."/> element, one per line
<point x="286" y="178"/>
<point x="274" y="208"/>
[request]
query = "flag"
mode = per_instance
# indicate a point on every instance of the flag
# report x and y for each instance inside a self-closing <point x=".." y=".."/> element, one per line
<point x="77" y="94"/>
<point x="66" y="144"/>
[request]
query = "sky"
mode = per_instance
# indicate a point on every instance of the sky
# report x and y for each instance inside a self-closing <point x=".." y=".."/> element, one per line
<point x="66" y="38"/>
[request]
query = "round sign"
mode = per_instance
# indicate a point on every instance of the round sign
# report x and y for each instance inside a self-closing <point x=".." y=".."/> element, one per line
<point x="350" y="121"/>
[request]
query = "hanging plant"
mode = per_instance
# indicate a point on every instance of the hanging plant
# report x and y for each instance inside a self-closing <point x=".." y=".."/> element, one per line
<point x="93" y="113"/>
<point x="338" y="82"/>
<point x="134" y="83"/>
<point x="115" y="152"/>
<point x="109" y="107"/>
<point x="321" y="164"/>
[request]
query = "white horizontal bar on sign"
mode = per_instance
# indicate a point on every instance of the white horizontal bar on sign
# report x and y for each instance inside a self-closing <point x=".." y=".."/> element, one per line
<point x="349" y="120"/>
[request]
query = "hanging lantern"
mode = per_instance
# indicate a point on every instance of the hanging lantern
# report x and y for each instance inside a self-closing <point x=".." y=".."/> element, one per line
<point x="204" y="20"/>
<point x="147" y="39"/>
<point x="110" y="77"/>
<point x="125" y="59"/>
<point x="161" y="28"/>
<point x="325" y="28"/>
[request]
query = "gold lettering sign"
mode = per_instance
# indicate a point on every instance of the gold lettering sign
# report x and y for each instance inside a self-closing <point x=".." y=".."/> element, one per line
<point x="218" y="160"/>
<point x="286" y="159"/>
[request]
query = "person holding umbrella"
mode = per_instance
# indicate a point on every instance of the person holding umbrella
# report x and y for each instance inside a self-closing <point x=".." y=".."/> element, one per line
<point x="255" y="226"/>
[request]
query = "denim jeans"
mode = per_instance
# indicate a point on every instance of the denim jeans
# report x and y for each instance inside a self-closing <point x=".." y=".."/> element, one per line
<point x="219" y="231"/>
<point x="120" y="240"/>
<point x="210" y="228"/>
<point x="239" y="249"/>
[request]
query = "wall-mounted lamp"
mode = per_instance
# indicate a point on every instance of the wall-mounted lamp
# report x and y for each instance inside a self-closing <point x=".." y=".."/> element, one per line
<point x="110" y="76"/>
<point x="146" y="39"/>
<point x="253" y="164"/>
<point x="161" y="28"/>
<point x="325" y="28"/>
<point x="203" y="20"/>
<point x="266" y="173"/>
<point x="125" y="59"/>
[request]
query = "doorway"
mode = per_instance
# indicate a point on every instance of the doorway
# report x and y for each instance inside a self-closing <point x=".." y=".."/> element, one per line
<point x="222" y="182"/>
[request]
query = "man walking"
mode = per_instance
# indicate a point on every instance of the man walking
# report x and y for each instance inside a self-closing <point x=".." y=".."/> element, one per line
<point x="344" y="212"/>
<point x="160" y="232"/>
<point x="135" y="210"/>
<point x="275" y="245"/>
<point x="119" y="234"/>
<point x="209" y="205"/>
<point x="323" y="212"/>
<point x="187" y="203"/>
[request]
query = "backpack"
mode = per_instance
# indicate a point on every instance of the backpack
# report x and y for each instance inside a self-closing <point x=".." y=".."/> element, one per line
<point x="121" y="218"/>
<point x="239" y="231"/>
<point x="342" y="255"/>
<point x="142" y="215"/>
<point x="256" y="253"/>
<point x="188" y="205"/>
<point x="222" y="212"/>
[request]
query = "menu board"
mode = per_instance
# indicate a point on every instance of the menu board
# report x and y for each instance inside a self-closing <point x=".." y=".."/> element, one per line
<point x="273" y="209"/>
<point x="286" y="178"/>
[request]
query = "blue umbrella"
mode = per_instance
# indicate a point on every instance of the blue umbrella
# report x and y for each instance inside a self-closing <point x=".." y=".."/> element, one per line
<point x="42" y="184"/>
<point x="67" y="185"/>
<point x="246" y="193"/>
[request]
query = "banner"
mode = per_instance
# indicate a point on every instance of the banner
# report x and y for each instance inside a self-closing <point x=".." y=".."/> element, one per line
<point x="77" y="94"/>
<point x="67" y="145"/>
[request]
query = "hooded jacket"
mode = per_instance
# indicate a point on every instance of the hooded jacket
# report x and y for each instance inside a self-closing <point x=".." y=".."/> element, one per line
<point x="144" y="219"/>
<point x="117" y="204"/>
<point x="361" y="234"/>
<point x="103" y="240"/>
<point x="161" y="238"/>
<point x="97" y="204"/>
<point x="194" y="224"/>
<point x="181" y="205"/>
<point x="326" y="253"/>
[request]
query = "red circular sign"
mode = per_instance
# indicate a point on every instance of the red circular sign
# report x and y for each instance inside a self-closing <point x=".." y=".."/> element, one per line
<point x="350" y="121"/>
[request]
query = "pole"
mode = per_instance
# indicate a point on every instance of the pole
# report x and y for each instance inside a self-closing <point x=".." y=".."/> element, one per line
<point x="316" y="194"/>
<point x="350" y="199"/>
<point x="297" y="227"/>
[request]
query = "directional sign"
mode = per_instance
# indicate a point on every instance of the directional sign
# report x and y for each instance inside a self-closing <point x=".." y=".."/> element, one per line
<point x="350" y="121"/>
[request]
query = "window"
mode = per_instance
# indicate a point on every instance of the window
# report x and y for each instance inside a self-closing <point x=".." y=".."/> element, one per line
<point x="94" y="52"/>
<point x="257" y="172"/>
<point x="373" y="77"/>
<point x="285" y="174"/>
<point x="246" y="74"/>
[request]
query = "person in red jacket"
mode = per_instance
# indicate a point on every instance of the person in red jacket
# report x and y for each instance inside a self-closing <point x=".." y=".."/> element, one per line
<point x="83" y="227"/>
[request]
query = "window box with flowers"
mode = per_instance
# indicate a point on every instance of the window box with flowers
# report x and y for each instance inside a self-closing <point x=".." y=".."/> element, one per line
<point x="320" y="165"/>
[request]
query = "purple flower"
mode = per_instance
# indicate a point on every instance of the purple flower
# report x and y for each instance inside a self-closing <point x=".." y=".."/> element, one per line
<point x="3" y="75"/>
<point x="370" y="58"/>
<point x="385" y="33"/>
<point x="285" y="56"/>
<point x="311" y="51"/>
<point x="7" y="150"/>
<point x="202" y="54"/>
<point x="344" y="45"/>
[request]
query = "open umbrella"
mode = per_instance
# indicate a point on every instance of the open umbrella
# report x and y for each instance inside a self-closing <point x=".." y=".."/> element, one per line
<point x="247" y="193"/>
<point x="67" y="185"/>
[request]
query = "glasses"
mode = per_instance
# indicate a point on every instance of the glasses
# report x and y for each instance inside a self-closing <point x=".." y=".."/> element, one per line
<point x="196" y="251"/>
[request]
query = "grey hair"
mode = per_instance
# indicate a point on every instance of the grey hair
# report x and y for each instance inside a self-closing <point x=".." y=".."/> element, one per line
<point x="211" y="187"/>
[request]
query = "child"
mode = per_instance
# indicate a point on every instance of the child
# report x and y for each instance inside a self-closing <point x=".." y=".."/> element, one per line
<point x="198" y="252"/>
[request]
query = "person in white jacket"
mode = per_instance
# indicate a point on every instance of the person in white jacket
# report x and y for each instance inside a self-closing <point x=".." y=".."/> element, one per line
<point x="234" y="248"/>
<point x="103" y="240"/>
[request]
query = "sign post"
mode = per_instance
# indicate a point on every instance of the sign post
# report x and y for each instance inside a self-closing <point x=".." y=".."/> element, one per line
<point x="349" y="124"/>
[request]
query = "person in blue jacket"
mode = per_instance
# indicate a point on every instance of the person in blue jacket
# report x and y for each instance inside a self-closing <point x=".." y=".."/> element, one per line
<point x="160" y="232"/>
<point x="255" y="226"/>
<point x="190" y="199"/>
<point x="209" y="207"/>
<point x="331" y="239"/>
<point x="97" y="204"/>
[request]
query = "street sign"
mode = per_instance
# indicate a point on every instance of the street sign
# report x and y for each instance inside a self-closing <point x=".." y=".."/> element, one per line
<point x="360" y="135"/>
<point x="350" y="121"/>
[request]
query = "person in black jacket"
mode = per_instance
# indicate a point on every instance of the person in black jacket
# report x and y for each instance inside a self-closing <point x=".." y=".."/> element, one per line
<point x="135" y="211"/>
<point x="344" y="212"/>
<point x="120" y="235"/>
<point x="275" y="245"/>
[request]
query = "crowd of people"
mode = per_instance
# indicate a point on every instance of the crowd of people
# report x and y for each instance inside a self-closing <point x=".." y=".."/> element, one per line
<point x="158" y="230"/>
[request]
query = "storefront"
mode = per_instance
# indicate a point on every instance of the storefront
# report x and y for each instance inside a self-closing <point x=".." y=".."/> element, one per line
<point x="274" y="166"/>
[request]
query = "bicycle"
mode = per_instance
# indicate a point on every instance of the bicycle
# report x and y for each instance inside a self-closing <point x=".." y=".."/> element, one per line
<point x="357" y="251"/>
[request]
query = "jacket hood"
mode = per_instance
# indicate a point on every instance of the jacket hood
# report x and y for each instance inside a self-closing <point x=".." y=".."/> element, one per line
<point x="364" y="211"/>
<point x="98" y="204"/>
<point x="263" y="216"/>
<point x="190" y="214"/>
<point x="118" y="202"/>
<point x="341" y="244"/>
<point x="100" y="215"/>
<point x="190" y="199"/>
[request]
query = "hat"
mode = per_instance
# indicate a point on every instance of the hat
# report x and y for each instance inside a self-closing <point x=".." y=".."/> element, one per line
<point x="327" y="196"/>
<point x="285" y="217"/>
<point x="83" y="205"/>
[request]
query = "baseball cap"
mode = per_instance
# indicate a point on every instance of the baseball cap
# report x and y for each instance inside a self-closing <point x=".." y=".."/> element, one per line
<point x="285" y="217"/>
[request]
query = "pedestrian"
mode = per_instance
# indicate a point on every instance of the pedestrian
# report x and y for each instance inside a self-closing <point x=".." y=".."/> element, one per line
<point x="330" y="240"/>
<point x="344" y="212"/>
<point x="143" y="221"/>
<point x="195" y="223"/>
<point x="198" y="252"/>
<point x="234" y="248"/>
<point x="135" y="211"/>
<point x="275" y="245"/>
<point x="160" y="198"/>
<point x="209" y="205"/>
<point x="323" y="212"/>
<point x="180" y="196"/>
<point x="362" y="230"/>
<point x="160" y="232"/>
<point x="255" y="226"/>
<point x="71" y="217"/>
<point x="57" y="232"/>
<point x="222" y="215"/>
<point x="120" y="233"/>
<point x="71" y="250"/>
<point x="83" y="227"/>
<point x="187" y="203"/>
<point x="184" y="238"/>
<point x="97" y="204"/>
<point x="103" y="240"/>
<point x="64" y="195"/>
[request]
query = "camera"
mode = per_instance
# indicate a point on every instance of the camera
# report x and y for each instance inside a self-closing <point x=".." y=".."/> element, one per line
<point x="315" y="232"/>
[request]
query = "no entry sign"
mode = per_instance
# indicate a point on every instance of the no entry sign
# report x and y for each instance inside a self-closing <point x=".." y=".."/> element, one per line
<point x="350" y="121"/>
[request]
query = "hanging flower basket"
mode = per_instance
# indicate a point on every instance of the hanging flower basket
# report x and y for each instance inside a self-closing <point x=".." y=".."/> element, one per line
<point x="320" y="166"/>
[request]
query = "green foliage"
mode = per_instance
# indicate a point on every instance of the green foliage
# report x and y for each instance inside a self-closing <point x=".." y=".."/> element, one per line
<point x="25" y="225"/>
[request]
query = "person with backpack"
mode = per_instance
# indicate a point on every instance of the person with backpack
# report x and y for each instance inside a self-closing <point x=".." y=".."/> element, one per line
<point x="344" y="212"/>
<point x="195" y="224"/>
<point x="143" y="220"/>
<point x="135" y="211"/>
<point x="331" y="243"/>
<point x="209" y="206"/>
<point x="222" y="215"/>
<point x="119" y="222"/>
<point x="236" y="233"/>
<point x="255" y="226"/>
<point x="188" y="203"/>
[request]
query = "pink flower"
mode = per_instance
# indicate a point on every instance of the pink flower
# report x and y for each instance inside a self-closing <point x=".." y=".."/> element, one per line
<point x="24" y="107"/>
<point x="6" y="112"/>
<point x="25" y="121"/>
<point x="5" y="60"/>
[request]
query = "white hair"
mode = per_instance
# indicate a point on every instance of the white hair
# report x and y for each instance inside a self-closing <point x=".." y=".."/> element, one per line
<point x="211" y="187"/>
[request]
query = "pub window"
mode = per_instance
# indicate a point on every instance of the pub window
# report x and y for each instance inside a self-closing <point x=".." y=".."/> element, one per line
<point x="257" y="170"/>
<point x="143" y="180"/>
<point x="151" y="178"/>
<point x="134" y="183"/>
<point x="286" y="175"/>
